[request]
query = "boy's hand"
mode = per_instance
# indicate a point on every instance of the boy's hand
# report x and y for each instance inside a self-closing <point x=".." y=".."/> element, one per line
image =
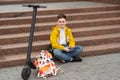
<point x="66" y="49"/>
<point x="71" y="48"/>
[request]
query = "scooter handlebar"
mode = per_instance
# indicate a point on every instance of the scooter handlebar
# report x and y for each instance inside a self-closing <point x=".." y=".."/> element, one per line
<point x="37" y="6"/>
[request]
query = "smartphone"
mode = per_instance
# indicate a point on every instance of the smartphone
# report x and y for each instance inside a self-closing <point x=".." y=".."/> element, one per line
<point x="71" y="49"/>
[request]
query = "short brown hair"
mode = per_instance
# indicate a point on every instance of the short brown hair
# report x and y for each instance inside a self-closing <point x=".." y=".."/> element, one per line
<point x="61" y="16"/>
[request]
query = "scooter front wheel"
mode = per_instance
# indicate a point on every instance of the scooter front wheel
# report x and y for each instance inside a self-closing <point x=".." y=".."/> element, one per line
<point x="26" y="72"/>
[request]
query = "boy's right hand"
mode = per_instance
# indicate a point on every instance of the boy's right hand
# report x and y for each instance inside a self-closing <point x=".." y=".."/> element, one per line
<point x="66" y="49"/>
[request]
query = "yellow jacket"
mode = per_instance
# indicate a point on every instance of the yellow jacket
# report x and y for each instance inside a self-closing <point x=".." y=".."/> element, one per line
<point x="55" y="37"/>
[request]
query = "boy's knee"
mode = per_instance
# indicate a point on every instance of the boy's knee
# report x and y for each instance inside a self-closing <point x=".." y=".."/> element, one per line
<point x="80" y="48"/>
<point x="56" y="52"/>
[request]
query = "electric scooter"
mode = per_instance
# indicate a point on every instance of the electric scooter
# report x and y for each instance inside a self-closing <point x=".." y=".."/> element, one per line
<point x="29" y="65"/>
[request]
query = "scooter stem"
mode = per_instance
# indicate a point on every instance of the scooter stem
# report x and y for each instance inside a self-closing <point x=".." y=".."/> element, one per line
<point x="28" y="58"/>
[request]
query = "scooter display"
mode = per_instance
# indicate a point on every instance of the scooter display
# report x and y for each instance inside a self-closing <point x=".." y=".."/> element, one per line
<point x="29" y="65"/>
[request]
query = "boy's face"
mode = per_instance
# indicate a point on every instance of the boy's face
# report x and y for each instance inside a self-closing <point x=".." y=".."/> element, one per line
<point x="61" y="22"/>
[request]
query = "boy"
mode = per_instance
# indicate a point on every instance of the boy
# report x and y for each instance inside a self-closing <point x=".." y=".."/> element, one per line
<point x="63" y="43"/>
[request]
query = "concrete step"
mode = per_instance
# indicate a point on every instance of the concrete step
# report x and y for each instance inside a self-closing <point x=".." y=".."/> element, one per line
<point x="39" y="45"/>
<point x="44" y="35"/>
<point x="52" y="18"/>
<point x="11" y="29"/>
<point x="68" y="10"/>
<point x="14" y="60"/>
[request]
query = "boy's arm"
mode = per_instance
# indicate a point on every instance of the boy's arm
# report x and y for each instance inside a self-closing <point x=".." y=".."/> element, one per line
<point x="71" y="39"/>
<point x="53" y="41"/>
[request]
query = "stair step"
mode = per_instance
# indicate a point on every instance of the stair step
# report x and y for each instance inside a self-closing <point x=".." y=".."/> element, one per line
<point x="72" y="16"/>
<point x="97" y="30"/>
<point x="14" y="60"/>
<point x="101" y="49"/>
<point x="44" y="35"/>
<point x="22" y="47"/>
<point x="39" y="45"/>
<point x="68" y="14"/>
<point x="95" y="22"/>
<point x="98" y="40"/>
<point x="24" y="13"/>
<point x="52" y="18"/>
<point x="9" y="29"/>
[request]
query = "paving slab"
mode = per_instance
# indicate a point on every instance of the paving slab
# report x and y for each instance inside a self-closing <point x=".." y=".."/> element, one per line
<point x="103" y="67"/>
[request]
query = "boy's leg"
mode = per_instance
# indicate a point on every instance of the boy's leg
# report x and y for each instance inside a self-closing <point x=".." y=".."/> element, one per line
<point x="61" y="55"/>
<point x="78" y="50"/>
<point x="68" y="56"/>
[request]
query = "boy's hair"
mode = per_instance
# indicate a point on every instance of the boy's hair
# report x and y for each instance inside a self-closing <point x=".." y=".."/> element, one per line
<point x="61" y="16"/>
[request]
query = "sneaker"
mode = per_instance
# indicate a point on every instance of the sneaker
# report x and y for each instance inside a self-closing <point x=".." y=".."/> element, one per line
<point x="78" y="59"/>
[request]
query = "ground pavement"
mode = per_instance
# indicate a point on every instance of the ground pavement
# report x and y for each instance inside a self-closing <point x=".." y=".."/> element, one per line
<point x="104" y="67"/>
